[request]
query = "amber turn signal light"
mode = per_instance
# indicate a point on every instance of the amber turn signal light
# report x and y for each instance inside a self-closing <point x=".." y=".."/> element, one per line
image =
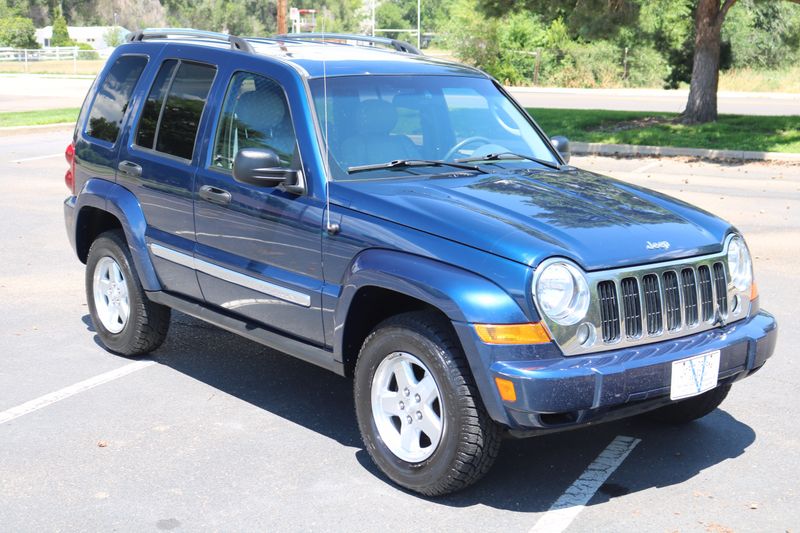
<point x="753" y="291"/>
<point x="506" y="389"/>
<point x="534" y="333"/>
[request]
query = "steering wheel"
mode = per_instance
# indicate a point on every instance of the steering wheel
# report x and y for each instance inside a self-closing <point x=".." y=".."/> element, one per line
<point x="466" y="142"/>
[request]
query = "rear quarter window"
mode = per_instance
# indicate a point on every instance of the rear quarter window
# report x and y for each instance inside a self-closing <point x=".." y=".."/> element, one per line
<point x="113" y="97"/>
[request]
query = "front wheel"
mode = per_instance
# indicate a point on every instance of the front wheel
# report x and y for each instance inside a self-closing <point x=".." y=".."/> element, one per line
<point x="418" y="410"/>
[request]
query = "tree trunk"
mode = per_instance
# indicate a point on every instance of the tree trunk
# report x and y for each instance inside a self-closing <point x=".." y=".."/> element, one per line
<point x="702" y="103"/>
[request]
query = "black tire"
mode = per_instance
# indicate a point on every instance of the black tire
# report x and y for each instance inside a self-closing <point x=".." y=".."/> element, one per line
<point x="690" y="409"/>
<point x="470" y="439"/>
<point x="148" y="322"/>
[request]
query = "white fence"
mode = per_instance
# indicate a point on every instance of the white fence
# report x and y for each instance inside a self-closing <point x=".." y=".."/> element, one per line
<point x="61" y="59"/>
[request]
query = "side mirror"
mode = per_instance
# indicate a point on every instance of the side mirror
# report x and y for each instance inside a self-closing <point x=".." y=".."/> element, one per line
<point x="262" y="167"/>
<point x="561" y="144"/>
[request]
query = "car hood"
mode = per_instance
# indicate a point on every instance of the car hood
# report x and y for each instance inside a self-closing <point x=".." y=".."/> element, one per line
<point x="528" y="216"/>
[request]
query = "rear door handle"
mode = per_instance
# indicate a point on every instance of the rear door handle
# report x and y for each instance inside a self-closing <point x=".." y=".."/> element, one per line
<point x="130" y="168"/>
<point x="215" y="195"/>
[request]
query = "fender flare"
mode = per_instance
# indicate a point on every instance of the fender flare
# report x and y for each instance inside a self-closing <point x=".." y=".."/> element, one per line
<point x="123" y="204"/>
<point x="463" y="296"/>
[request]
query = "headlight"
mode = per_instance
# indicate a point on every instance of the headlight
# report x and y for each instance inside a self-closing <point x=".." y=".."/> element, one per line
<point x="739" y="264"/>
<point x="562" y="293"/>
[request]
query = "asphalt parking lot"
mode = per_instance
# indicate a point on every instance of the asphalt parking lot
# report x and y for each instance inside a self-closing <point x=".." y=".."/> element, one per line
<point x="218" y="433"/>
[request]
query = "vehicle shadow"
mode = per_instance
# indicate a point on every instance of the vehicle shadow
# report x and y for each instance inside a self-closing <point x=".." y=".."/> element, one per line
<point x="529" y="475"/>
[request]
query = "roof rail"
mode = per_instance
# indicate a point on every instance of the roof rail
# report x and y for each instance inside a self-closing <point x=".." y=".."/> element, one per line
<point x="400" y="46"/>
<point x="237" y="43"/>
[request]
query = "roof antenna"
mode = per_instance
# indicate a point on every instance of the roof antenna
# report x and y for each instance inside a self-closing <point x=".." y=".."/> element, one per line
<point x="331" y="227"/>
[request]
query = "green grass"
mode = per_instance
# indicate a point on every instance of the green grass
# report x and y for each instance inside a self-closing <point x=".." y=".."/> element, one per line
<point x="35" y="118"/>
<point x="730" y="132"/>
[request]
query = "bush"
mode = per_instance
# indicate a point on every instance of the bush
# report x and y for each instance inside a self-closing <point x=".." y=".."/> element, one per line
<point x="594" y="64"/>
<point x="646" y="67"/>
<point x="510" y="48"/>
<point x="87" y="52"/>
<point x="17" y="32"/>
<point x="763" y="35"/>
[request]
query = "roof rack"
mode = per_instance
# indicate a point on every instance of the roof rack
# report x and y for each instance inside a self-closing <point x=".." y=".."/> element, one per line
<point x="237" y="43"/>
<point x="400" y="46"/>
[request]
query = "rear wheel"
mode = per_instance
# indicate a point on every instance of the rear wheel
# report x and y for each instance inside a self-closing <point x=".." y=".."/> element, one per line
<point x="126" y="321"/>
<point x="685" y="411"/>
<point x="418" y="410"/>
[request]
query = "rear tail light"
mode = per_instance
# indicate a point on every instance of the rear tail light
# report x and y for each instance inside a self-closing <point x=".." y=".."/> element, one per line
<point x="69" y="177"/>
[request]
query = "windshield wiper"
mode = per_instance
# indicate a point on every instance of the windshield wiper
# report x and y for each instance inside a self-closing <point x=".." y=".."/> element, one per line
<point x="510" y="155"/>
<point x="407" y="163"/>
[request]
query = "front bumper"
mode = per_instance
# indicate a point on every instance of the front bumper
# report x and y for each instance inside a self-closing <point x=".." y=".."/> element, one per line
<point x="561" y="392"/>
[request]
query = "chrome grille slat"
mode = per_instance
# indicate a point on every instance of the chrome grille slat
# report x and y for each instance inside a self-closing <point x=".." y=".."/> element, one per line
<point x="632" y="311"/>
<point x="652" y="299"/>
<point x="672" y="301"/>
<point x="607" y="292"/>
<point x="706" y="293"/>
<point x="689" y="292"/>
<point x="721" y="289"/>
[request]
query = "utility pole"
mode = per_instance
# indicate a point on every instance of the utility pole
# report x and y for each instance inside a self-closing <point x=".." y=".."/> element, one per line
<point x="282" y="16"/>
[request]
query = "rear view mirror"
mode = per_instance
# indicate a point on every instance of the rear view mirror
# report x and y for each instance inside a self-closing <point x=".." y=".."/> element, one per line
<point x="262" y="167"/>
<point x="561" y="144"/>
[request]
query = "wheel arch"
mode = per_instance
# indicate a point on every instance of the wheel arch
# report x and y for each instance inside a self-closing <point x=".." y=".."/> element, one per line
<point x="102" y="206"/>
<point x="382" y="283"/>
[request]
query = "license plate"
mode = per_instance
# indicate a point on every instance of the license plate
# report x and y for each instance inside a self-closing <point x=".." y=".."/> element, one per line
<point x="694" y="375"/>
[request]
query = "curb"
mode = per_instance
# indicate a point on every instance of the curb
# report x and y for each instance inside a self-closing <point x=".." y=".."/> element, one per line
<point x="580" y="148"/>
<point x="41" y="128"/>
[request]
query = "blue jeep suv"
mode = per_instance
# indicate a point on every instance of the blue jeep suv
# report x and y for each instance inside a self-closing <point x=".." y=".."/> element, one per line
<point x="402" y="221"/>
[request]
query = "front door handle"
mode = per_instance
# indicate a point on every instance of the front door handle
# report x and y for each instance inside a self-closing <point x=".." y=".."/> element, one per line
<point x="215" y="195"/>
<point x="130" y="168"/>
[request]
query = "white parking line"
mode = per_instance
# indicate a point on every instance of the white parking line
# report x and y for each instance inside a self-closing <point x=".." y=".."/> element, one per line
<point x="38" y="157"/>
<point x="571" y="503"/>
<point x="66" y="392"/>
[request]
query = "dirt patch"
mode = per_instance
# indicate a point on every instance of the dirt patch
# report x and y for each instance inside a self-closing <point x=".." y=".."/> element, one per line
<point x="635" y="124"/>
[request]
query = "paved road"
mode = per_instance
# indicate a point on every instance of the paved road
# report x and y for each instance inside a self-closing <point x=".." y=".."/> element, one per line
<point x="222" y="434"/>
<point x="23" y="93"/>
<point x="655" y="100"/>
<point x="30" y="93"/>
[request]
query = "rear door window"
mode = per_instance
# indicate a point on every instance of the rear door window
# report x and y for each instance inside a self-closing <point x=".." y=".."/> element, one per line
<point x="146" y="135"/>
<point x="113" y="97"/>
<point x="173" y="109"/>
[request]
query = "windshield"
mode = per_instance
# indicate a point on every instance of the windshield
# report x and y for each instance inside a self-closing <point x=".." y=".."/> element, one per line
<point x="372" y="120"/>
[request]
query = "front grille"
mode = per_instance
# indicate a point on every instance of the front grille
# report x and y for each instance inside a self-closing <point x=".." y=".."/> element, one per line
<point x="664" y="301"/>
<point x="609" y="309"/>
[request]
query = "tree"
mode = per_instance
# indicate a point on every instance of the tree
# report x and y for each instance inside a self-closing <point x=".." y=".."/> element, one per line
<point x="17" y="32"/>
<point x="60" y="32"/>
<point x="702" y="103"/>
<point x="593" y="19"/>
